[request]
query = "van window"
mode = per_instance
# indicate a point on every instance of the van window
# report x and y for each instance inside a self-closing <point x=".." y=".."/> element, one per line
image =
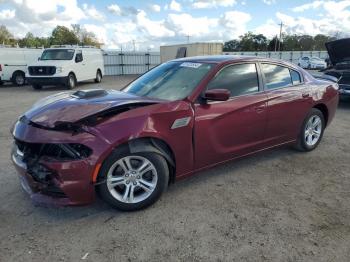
<point x="238" y="79"/>
<point x="276" y="76"/>
<point x="79" y="56"/>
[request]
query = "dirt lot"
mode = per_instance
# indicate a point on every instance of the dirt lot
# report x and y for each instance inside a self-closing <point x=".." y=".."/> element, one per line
<point x="279" y="205"/>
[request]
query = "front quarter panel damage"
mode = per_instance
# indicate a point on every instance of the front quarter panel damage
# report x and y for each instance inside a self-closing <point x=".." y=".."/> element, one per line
<point x="154" y="121"/>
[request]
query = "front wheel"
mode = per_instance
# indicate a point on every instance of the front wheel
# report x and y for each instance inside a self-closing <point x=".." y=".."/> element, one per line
<point x="71" y="81"/>
<point x="311" y="131"/>
<point x="132" y="181"/>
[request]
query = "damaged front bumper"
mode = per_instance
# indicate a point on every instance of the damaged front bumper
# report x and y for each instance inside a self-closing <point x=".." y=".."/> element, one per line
<point x="53" y="168"/>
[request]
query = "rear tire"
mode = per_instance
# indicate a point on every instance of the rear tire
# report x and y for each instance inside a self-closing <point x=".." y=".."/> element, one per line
<point x="37" y="87"/>
<point x="18" y="78"/>
<point x="130" y="187"/>
<point x="311" y="132"/>
<point x="71" y="81"/>
<point x="98" y="78"/>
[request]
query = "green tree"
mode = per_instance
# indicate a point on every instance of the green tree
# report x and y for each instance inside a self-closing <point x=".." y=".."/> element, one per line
<point x="6" y="37"/>
<point x="253" y="42"/>
<point x="320" y="40"/>
<point x="232" y="46"/>
<point x="62" y="35"/>
<point x="85" y="37"/>
<point x="291" y="43"/>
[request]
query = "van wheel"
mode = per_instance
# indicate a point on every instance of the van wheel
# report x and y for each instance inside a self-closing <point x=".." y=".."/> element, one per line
<point x="98" y="77"/>
<point x="18" y="78"/>
<point x="37" y="87"/>
<point x="71" y="81"/>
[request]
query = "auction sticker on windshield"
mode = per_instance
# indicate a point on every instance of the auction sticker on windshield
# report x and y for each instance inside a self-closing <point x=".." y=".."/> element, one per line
<point x="191" y="65"/>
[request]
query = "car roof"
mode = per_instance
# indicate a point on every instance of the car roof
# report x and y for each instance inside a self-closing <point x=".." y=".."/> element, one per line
<point x="218" y="59"/>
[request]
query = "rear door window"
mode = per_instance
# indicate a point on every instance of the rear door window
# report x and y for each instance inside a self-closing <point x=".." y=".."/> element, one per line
<point x="295" y="77"/>
<point x="276" y="76"/>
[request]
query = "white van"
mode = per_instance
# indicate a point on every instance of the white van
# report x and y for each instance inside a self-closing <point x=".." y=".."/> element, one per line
<point x="66" y="65"/>
<point x="14" y="62"/>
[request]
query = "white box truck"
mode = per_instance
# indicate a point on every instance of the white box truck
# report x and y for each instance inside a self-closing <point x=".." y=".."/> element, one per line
<point x="14" y="62"/>
<point x="66" y="65"/>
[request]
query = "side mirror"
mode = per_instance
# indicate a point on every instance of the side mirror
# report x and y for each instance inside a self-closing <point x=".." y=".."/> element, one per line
<point x="217" y="95"/>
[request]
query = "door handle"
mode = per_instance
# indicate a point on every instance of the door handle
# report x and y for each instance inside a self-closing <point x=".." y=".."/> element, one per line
<point x="305" y="95"/>
<point x="259" y="109"/>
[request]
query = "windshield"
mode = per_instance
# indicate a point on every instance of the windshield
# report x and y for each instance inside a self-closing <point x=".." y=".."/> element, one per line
<point x="57" y="54"/>
<point x="170" y="81"/>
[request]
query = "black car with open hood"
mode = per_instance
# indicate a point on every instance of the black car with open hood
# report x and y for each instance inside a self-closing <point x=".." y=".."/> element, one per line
<point x="339" y="56"/>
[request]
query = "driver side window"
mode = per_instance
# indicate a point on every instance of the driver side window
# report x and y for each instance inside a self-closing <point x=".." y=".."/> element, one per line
<point x="79" y="56"/>
<point x="239" y="79"/>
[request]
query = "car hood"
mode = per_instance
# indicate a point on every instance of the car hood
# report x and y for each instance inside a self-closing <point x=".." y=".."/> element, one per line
<point x="339" y="50"/>
<point x="71" y="107"/>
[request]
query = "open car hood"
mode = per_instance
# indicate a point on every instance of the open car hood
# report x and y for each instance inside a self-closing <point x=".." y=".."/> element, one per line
<point x="339" y="50"/>
<point x="71" y="107"/>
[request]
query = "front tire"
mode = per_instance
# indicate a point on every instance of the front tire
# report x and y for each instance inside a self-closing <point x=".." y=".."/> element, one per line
<point x="311" y="132"/>
<point x="71" y="81"/>
<point x="132" y="181"/>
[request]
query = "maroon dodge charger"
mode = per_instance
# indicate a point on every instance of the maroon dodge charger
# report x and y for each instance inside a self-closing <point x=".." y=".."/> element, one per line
<point x="181" y="117"/>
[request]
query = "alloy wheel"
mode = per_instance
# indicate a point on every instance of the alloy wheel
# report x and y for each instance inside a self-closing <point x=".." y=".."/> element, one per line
<point x="313" y="130"/>
<point x="132" y="179"/>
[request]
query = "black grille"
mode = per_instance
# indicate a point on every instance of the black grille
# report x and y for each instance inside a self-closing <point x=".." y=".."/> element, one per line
<point x="42" y="70"/>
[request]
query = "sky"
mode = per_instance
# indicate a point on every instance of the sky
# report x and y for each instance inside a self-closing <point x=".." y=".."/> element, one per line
<point x="148" y="24"/>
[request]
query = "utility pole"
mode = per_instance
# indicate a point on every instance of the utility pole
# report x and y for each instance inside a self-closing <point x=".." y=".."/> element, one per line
<point x="279" y="43"/>
<point x="276" y="38"/>
<point x="188" y="38"/>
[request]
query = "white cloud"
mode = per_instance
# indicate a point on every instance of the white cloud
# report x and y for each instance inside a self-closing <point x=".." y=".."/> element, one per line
<point x="93" y="13"/>
<point x="235" y="22"/>
<point x="185" y="24"/>
<point x="200" y="4"/>
<point x="175" y="6"/>
<point x="38" y="18"/>
<point x="114" y="8"/>
<point x="7" y="14"/>
<point x="155" y="8"/>
<point x="304" y="7"/>
<point x="152" y="28"/>
<point x="269" y="2"/>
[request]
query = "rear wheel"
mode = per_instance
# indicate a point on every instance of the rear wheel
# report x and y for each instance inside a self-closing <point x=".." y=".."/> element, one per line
<point x="37" y="87"/>
<point x="98" y="77"/>
<point x="132" y="181"/>
<point x="71" y="81"/>
<point x="311" y="131"/>
<point x="18" y="78"/>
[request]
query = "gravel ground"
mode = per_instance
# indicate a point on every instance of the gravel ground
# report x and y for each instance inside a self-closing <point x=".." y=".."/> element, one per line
<point x="279" y="205"/>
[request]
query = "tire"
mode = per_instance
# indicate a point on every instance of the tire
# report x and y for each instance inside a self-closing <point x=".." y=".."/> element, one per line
<point x="154" y="180"/>
<point x="311" y="134"/>
<point x="18" y="78"/>
<point x="98" y="78"/>
<point x="37" y="87"/>
<point x="71" y="81"/>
